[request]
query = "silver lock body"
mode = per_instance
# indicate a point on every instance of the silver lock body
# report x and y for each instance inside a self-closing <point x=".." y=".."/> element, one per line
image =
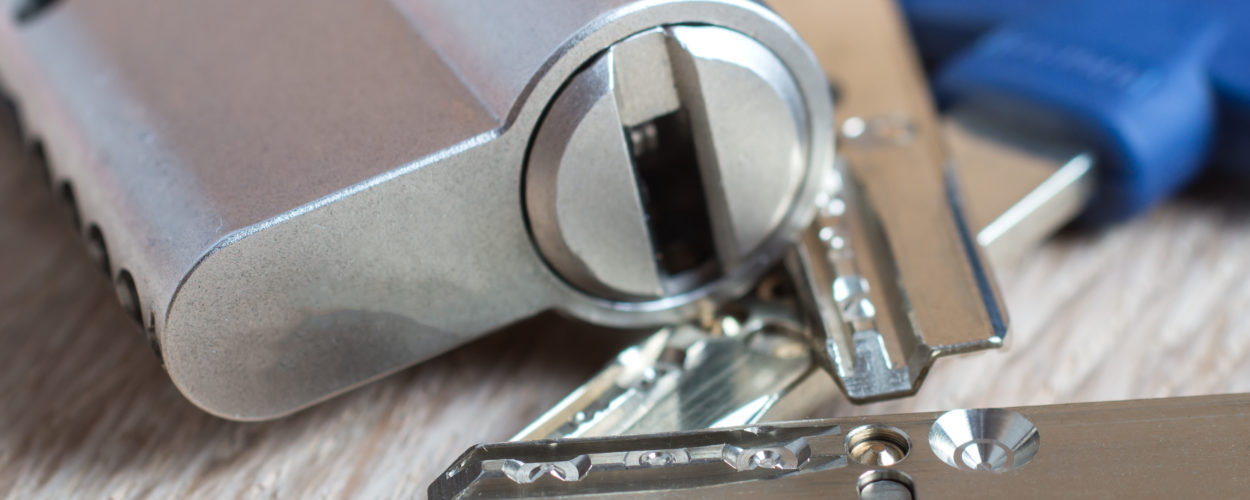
<point x="308" y="195"/>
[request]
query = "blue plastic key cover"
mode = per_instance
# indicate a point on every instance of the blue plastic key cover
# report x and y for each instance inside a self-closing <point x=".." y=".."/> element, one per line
<point x="1146" y="83"/>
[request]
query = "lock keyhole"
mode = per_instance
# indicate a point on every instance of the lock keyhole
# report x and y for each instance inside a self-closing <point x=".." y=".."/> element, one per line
<point x="671" y="190"/>
<point x="666" y="163"/>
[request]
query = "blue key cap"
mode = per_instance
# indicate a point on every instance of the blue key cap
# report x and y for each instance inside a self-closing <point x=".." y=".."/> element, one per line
<point x="1160" y="88"/>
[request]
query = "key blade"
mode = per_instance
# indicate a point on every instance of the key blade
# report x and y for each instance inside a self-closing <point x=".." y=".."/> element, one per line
<point x="635" y="464"/>
<point x="889" y="272"/>
<point x="684" y="377"/>
<point x="1159" y="448"/>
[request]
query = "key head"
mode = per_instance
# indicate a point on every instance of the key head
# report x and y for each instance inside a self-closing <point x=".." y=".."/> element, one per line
<point x="1159" y="88"/>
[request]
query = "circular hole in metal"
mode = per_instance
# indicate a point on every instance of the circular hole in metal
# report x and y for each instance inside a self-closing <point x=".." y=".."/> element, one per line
<point x="986" y="439"/>
<point x="71" y="203"/>
<point x="96" y="248"/>
<point x="885" y="484"/>
<point x="128" y="295"/>
<point x="877" y="445"/>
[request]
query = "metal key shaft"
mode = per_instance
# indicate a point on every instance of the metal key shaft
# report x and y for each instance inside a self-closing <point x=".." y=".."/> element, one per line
<point x="1163" y="448"/>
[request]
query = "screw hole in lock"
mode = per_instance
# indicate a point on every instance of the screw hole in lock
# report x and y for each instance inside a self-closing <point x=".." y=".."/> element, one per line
<point x="877" y="445"/>
<point x="984" y="439"/>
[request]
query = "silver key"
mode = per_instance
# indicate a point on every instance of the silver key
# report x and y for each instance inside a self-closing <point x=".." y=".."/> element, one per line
<point x="643" y="463"/>
<point x="890" y="272"/>
<point x="731" y="372"/>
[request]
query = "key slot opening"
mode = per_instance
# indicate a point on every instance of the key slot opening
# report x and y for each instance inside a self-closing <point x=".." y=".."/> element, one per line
<point x="671" y="186"/>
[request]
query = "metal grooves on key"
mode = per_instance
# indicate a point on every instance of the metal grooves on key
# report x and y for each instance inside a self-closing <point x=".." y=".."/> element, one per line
<point x="623" y="464"/>
<point x="643" y="390"/>
<point x="685" y="377"/>
<point x="850" y="267"/>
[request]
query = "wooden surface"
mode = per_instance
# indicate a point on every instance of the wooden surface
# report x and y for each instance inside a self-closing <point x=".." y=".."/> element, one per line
<point x="1157" y="307"/>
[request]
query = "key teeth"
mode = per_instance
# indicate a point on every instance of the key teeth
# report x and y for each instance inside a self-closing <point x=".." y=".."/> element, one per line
<point x="851" y="282"/>
<point x="873" y="374"/>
